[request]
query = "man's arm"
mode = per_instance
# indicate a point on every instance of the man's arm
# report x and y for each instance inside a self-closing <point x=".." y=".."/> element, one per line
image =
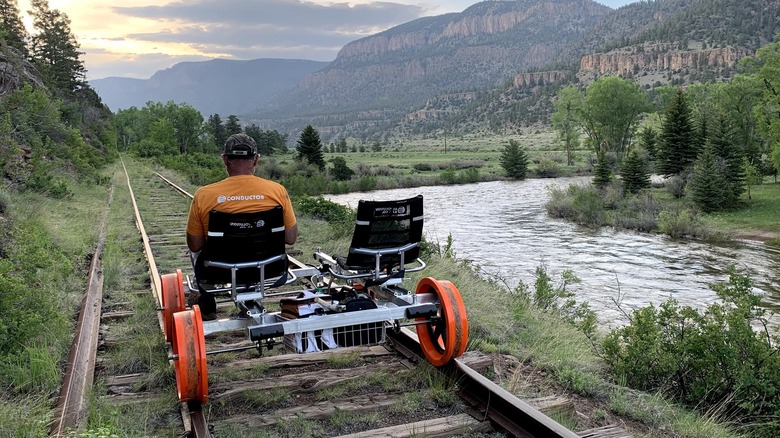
<point x="195" y="243"/>
<point x="290" y="234"/>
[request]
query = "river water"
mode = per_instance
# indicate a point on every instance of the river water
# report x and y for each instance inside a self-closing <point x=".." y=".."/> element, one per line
<point x="502" y="227"/>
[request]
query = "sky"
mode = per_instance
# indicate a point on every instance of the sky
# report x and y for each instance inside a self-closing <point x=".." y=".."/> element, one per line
<point x="136" y="38"/>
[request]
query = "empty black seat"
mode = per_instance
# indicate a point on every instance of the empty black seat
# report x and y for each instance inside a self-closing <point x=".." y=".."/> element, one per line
<point x="385" y="225"/>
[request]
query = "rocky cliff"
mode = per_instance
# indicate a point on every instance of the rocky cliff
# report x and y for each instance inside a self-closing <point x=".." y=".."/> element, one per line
<point x="481" y="48"/>
<point x="622" y="63"/>
<point x="15" y="71"/>
<point x="523" y="80"/>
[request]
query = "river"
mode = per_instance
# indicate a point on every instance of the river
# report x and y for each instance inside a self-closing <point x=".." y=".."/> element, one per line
<point x="502" y="226"/>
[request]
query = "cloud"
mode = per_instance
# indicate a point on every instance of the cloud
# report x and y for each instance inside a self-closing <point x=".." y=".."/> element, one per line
<point x="248" y="23"/>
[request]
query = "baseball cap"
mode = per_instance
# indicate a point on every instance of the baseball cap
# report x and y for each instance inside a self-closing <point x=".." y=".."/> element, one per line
<point x="240" y="146"/>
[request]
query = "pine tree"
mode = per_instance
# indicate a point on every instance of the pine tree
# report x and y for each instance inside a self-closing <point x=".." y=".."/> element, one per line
<point x="12" y="29"/>
<point x="708" y="187"/>
<point x="232" y="126"/>
<point x="648" y="139"/>
<point x="725" y="147"/>
<point x="514" y="160"/>
<point x="634" y="173"/>
<point x="217" y="130"/>
<point x="310" y="147"/>
<point x="602" y="173"/>
<point x="54" y="49"/>
<point x="676" y="147"/>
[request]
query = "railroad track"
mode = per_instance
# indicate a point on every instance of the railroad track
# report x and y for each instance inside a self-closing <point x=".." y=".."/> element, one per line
<point x="379" y="390"/>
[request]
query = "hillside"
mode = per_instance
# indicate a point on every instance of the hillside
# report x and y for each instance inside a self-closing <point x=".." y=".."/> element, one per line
<point x="493" y="67"/>
<point x="219" y="86"/>
<point x="655" y="43"/>
<point x="381" y="77"/>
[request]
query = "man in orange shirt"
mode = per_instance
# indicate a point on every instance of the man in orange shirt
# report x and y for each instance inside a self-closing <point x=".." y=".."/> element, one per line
<point x="240" y="192"/>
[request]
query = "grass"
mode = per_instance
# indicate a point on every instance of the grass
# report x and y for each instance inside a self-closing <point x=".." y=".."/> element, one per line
<point x="499" y="323"/>
<point x="759" y="214"/>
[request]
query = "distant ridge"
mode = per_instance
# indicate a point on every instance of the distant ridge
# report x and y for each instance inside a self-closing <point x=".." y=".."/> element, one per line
<point x="218" y="86"/>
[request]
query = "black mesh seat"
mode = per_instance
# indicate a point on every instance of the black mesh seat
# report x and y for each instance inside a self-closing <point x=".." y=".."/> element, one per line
<point x="241" y="238"/>
<point x="386" y="233"/>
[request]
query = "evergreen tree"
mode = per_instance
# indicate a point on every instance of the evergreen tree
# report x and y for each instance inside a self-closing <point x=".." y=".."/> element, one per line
<point x="232" y="126"/>
<point x="708" y="188"/>
<point x="12" y="29"/>
<point x="340" y="170"/>
<point x="54" y="48"/>
<point x="676" y="147"/>
<point x="514" y="160"/>
<point x="217" y="130"/>
<point x="701" y="136"/>
<point x="602" y="173"/>
<point x="725" y="147"/>
<point x="310" y="147"/>
<point x="648" y="139"/>
<point x="634" y="173"/>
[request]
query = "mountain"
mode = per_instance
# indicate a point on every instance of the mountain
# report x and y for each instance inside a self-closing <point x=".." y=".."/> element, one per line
<point x="493" y="67"/>
<point x="654" y="42"/>
<point x="218" y="86"/>
<point x="383" y="76"/>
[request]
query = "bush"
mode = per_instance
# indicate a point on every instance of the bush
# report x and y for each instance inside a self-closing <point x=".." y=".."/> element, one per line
<point x="676" y="186"/>
<point x="548" y="168"/>
<point x="422" y="167"/>
<point x="320" y="208"/>
<point x="682" y="223"/>
<point x="638" y="212"/>
<point x="581" y="204"/>
<point x="710" y="360"/>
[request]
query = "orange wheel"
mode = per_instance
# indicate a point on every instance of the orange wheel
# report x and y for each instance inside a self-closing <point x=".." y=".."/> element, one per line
<point x="444" y="338"/>
<point x="189" y="344"/>
<point x="172" y="300"/>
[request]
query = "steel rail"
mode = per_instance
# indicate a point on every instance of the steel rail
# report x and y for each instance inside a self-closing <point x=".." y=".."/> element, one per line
<point x="490" y="401"/>
<point x="196" y="420"/>
<point x="72" y="401"/>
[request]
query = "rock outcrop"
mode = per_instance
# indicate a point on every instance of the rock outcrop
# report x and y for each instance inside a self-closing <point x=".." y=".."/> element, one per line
<point x="15" y="71"/>
<point x="623" y="63"/>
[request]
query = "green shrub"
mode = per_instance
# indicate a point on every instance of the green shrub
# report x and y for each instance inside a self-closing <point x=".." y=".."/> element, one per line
<point x="422" y="167"/>
<point x="588" y="206"/>
<point x="711" y="360"/>
<point x="448" y="176"/>
<point x="675" y="186"/>
<point x="638" y="212"/>
<point x="320" y="208"/>
<point x="366" y="183"/>
<point x="548" y="168"/>
<point x="682" y="223"/>
<point x="5" y="200"/>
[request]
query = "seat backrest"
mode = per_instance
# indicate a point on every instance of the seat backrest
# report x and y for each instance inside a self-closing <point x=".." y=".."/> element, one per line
<point x="386" y="224"/>
<point x="239" y="238"/>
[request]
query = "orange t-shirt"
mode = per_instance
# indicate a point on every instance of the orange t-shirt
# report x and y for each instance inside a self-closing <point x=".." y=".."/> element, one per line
<point x="237" y="194"/>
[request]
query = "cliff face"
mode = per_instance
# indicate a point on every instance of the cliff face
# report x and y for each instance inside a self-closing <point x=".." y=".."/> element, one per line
<point x="401" y="68"/>
<point x="623" y="63"/>
<point x="524" y="80"/>
<point x="493" y="22"/>
<point x="15" y="71"/>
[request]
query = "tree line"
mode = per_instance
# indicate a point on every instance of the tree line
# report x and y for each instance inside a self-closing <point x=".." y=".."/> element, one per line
<point x="710" y="141"/>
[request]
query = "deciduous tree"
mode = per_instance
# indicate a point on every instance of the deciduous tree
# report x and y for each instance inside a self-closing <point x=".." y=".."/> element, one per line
<point x="609" y="114"/>
<point x="566" y="120"/>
